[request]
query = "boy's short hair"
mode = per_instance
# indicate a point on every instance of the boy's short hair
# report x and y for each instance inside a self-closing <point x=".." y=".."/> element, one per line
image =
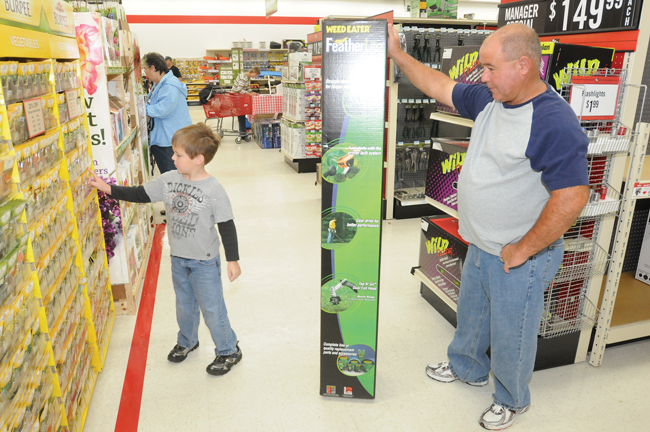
<point x="197" y="139"/>
<point x="255" y="70"/>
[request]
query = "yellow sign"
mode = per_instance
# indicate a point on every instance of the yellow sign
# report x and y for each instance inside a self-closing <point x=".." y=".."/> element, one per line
<point x="547" y="47"/>
<point x="58" y="16"/>
<point x="22" y="11"/>
<point x="16" y="42"/>
<point x="64" y="47"/>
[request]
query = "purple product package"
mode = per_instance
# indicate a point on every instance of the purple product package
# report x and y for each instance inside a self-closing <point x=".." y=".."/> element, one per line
<point x="442" y="253"/>
<point x="446" y="158"/>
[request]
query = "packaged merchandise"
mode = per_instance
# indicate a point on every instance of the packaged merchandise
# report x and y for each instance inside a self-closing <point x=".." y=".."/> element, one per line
<point x="6" y="182"/>
<point x="442" y="254"/>
<point x="47" y="103"/>
<point x="17" y="123"/>
<point x="63" y="108"/>
<point x="26" y="79"/>
<point x="14" y="91"/>
<point x="446" y="159"/>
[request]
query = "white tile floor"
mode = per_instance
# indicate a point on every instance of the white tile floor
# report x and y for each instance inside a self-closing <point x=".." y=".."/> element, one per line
<point x="274" y="308"/>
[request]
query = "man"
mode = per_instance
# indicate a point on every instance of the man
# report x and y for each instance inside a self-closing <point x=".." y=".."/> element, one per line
<point x="242" y="85"/>
<point x="171" y="67"/>
<point x="522" y="185"/>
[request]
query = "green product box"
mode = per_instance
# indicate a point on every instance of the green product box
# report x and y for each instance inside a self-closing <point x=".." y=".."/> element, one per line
<point x="353" y="103"/>
<point x="442" y="9"/>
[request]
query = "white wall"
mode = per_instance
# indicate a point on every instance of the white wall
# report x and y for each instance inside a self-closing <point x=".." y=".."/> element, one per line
<point x="192" y="40"/>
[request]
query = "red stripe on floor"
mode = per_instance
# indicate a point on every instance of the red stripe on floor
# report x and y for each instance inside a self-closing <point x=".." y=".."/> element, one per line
<point x="218" y="19"/>
<point x="129" y="412"/>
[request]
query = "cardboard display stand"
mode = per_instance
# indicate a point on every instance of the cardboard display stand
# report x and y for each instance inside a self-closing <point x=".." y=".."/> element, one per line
<point x="353" y="106"/>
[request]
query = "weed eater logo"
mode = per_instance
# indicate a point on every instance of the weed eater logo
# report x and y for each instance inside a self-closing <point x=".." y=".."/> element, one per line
<point x="348" y="44"/>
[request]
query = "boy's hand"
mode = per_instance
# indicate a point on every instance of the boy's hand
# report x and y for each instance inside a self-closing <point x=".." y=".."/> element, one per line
<point x="233" y="270"/>
<point x="98" y="183"/>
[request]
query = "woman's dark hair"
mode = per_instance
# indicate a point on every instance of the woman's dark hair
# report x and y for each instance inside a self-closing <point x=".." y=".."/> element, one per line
<point x="157" y="61"/>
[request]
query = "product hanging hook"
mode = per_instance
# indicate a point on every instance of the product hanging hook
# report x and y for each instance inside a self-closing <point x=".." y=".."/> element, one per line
<point x="426" y="50"/>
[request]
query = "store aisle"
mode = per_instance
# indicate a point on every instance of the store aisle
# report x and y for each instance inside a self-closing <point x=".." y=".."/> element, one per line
<point x="274" y="308"/>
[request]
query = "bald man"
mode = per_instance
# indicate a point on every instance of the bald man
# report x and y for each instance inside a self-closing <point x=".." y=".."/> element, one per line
<point x="522" y="185"/>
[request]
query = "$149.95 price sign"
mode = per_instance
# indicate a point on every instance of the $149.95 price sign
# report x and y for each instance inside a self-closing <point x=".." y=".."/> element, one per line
<point x="572" y="16"/>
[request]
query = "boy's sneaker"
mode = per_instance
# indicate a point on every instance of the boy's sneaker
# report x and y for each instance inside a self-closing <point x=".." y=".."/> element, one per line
<point x="222" y="364"/>
<point x="498" y="417"/>
<point x="178" y="353"/>
<point x="442" y="372"/>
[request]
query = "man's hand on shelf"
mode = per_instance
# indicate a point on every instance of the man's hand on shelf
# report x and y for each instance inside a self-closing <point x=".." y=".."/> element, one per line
<point x="96" y="182"/>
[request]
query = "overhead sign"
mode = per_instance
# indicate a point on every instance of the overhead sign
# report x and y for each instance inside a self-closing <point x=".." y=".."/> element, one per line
<point x="550" y="17"/>
<point x="271" y="7"/>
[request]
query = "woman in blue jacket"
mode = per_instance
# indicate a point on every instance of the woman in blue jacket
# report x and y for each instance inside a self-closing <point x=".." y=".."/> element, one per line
<point x="167" y="105"/>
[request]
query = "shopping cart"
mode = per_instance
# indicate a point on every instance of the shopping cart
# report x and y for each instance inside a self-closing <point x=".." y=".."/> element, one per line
<point x="229" y="105"/>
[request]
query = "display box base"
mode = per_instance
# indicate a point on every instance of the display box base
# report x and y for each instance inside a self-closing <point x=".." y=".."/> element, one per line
<point x="303" y="165"/>
<point x="554" y="352"/>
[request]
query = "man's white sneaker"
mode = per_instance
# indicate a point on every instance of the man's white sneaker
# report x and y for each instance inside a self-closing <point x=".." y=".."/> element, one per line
<point x="498" y="417"/>
<point x="443" y="373"/>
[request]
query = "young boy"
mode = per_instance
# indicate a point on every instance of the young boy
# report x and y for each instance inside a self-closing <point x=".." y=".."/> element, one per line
<point x="195" y="201"/>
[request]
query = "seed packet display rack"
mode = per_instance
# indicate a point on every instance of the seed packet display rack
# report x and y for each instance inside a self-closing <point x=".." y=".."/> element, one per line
<point x="570" y="300"/>
<point x="56" y="313"/>
<point x="119" y="137"/>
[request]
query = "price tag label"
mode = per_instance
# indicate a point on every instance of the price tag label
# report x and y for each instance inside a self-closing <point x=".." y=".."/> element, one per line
<point x="594" y="98"/>
<point x="641" y="190"/>
<point x="73" y="105"/>
<point x="34" y="115"/>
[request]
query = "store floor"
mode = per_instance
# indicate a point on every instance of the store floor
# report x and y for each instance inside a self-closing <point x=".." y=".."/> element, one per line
<point x="274" y="309"/>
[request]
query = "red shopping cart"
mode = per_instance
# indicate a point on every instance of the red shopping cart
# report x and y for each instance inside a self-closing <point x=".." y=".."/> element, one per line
<point x="229" y="105"/>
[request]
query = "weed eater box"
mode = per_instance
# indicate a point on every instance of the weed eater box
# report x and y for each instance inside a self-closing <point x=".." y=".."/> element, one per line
<point x="353" y="112"/>
<point x="442" y="254"/>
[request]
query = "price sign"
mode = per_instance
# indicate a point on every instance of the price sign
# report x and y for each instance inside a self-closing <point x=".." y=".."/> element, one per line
<point x="594" y="98"/>
<point x="73" y="104"/>
<point x="581" y="16"/>
<point x="550" y="17"/>
<point x="34" y="115"/>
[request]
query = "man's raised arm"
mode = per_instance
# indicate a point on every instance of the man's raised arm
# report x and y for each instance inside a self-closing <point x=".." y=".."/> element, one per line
<point x="433" y="83"/>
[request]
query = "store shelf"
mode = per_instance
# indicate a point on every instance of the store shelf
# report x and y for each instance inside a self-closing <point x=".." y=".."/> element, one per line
<point x="450" y="118"/>
<point x="456" y="23"/>
<point x="127" y="306"/>
<point x="124" y="144"/>
<point x="450" y="211"/>
<point x="433" y="287"/>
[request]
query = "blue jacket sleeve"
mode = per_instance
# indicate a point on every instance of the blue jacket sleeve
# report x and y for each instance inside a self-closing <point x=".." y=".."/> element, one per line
<point x="471" y="99"/>
<point x="166" y="100"/>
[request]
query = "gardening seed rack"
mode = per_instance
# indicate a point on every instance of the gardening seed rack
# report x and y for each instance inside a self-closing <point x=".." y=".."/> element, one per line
<point x="567" y="309"/>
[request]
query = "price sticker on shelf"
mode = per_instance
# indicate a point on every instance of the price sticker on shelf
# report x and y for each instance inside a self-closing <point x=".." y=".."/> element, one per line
<point x="71" y="97"/>
<point x="641" y="190"/>
<point x="594" y="98"/>
<point x="34" y="115"/>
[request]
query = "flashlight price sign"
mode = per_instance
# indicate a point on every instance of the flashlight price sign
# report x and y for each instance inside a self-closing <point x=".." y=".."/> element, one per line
<point x="551" y="17"/>
<point x="594" y="98"/>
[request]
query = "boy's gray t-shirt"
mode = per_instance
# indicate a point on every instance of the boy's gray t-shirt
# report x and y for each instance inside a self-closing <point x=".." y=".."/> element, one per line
<point x="193" y="208"/>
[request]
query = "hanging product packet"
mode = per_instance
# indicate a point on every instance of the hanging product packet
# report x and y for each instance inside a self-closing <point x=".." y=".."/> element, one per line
<point x="4" y="78"/>
<point x="14" y="91"/>
<point x="17" y="123"/>
<point x="24" y="81"/>
<point x="63" y="108"/>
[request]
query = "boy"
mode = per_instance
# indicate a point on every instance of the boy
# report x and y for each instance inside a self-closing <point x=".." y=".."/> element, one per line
<point x="195" y="201"/>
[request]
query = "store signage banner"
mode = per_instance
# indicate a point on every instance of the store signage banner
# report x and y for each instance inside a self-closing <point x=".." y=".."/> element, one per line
<point x="354" y="88"/>
<point x="18" y="42"/>
<point x="572" y="16"/>
<point x="48" y="16"/>
<point x="271" y="7"/>
<point x="94" y="80"/>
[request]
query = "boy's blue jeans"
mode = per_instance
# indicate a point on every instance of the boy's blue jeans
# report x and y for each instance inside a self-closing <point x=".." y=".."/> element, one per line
<point x="502" y="312"/>
<point x="198" y="290"/>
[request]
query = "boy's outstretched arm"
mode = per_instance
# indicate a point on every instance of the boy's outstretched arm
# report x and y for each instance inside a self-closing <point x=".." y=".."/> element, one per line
<point x="228" y="234"/>
<point x="136" y="194"/>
